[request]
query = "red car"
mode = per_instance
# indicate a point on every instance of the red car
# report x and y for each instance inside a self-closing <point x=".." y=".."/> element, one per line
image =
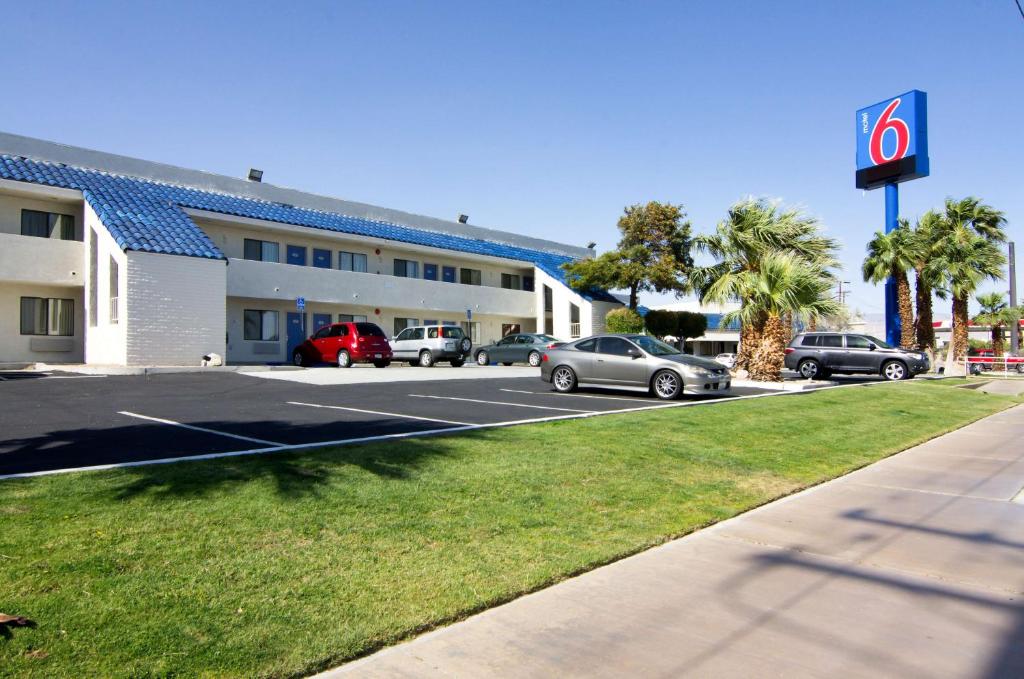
<point x="344" y="344"/>
<point x="985" y="359"/>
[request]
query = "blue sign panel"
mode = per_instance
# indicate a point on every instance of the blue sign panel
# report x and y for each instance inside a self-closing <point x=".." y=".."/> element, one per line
<point x="892" y="140"/>
<point x="300" y="303"/>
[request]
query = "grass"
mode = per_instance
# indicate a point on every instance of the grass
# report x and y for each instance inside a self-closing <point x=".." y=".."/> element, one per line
<point x="287" y="564"/>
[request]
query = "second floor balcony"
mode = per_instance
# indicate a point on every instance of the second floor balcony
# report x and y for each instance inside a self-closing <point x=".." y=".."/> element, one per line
<point x="265" y="280"/>
<point x="45" y="261"/>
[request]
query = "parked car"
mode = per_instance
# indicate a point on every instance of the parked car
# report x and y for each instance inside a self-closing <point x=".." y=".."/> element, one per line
<point x="518" y="348"/>
<point x="425" y="345"/>
<point x="820" y="354"/>
<point x="344" y="344"/>
<point x="979" y="360"/>
<point x="728" y="360"/>
<point x="632" y="362"/>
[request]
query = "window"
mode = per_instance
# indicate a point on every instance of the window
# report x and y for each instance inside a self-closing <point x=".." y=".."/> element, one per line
<point x="43" y="224"/>
<point x="448" y="274"/>
<point x="42" y="316"/>
<point x="321" y="258"/>
<point x="351" y="318"/>
<point x="528" y="283"/>
<point x="352" y="261"/>
<point x="511" y="281"/>
<point x="261" y="250"/>
<point x="417" y="333"/>
<point x="469" y="276"/>
<point x="432" y="333"/>
<point x="94" y="263"/>
<point x="510" y="328"/>
<point x="616" y="346"/>
<point x="404" y="335"/>
<point x="450" y="323"/>
<point x="406" y="268"/>
<point x="114" y="288"/>
<point x="810" y="341"/>
<point x="449" y="332"/>
<point x="586" y="345"/>
<point x="507" y="341"/>
<point x="403" y="323"/>
<point x="429" y="322"/>
<point x="548" y="301"/>
<point x="322" y="332"/>
<point x="339" y="331"/>
<point x="297" y="255"/>
<point x="524" y="339"/>
<point x="856" y="342"/>
<point x="261" y="325"/>
<point x="472" y="331"/>
<point x="834" y="341"/>
<point x="430" y="272"/>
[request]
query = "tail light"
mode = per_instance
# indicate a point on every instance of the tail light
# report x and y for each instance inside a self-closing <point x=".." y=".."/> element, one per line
<point x="543" y="358"/>
<point x="789" y="350"/>
<point x="362" y="339"/>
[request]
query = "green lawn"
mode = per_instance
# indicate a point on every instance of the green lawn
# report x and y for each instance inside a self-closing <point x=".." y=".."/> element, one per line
<point x="287" y="564"/>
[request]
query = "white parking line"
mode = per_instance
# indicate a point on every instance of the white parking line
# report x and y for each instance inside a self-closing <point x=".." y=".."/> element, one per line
<point x="609" y="398"/>
<point x="500" y="403"/>
<point x="378" y="412"/>
<point x="202" y="429"/>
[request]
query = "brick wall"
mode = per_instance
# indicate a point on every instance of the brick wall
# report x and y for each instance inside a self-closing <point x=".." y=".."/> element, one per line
<point x="176" y="308"/>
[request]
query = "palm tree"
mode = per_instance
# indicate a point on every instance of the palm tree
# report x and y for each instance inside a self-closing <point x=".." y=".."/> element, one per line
<point x="753" y="229"/>
<point x="892" y="255"/>
<point x="966" y="253"/>
<point x="783" y="283"/>
<point x="997" y="314"/>
<point x="925" y="235"/>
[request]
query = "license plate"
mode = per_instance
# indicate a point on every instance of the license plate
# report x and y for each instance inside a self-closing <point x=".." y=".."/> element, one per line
<point x="378" y="356"/>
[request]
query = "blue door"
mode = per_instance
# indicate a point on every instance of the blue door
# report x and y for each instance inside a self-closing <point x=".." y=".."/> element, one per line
<point x="319" y="321"/>
<point x="296" y="331"/>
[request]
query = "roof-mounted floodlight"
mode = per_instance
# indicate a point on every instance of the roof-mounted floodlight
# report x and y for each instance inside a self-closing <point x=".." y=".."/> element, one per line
<point x="463" y="219"/>
<point x="255" y="175"/>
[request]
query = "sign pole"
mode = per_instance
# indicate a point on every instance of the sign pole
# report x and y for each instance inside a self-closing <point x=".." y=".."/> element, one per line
<point x="892" y="311"/>
<point x="1015" y="329"/>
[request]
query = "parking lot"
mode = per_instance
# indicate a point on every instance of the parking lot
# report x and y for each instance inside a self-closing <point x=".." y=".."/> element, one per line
<point x="60" y="421"/>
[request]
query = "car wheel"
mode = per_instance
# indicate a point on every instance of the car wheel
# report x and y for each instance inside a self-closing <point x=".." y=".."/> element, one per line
<point x="563" y="379"/>
<point x="465" y="345"/>
<point x="381" y="364"/>
<point x="426" y="359"/>
<point x="894" y="370"/>
<point x="535" y="359"/>
<point x="482" y="358"/>
<point x="1020" y="368"/>
<point x="458" y="362"/>
<point x="298" y="359"/>
<point x="809" y="369"/>
<point x="667" y="385"/>
<point x="344" y="360"/>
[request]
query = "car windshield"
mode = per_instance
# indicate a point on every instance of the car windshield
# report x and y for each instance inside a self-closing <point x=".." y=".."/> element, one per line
<point x="880" y="343"/>
<point x="451" y="332"/>
<point x="654" y="347"/>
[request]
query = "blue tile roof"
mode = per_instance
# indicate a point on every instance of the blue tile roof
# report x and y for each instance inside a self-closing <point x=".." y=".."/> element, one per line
<point x="146" y="215"/>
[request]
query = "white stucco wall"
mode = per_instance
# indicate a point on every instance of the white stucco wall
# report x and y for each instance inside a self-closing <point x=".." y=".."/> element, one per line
<point x="176" y="308"/>
<point x="106" y="342"/>
<point x="18" y="348"/>
<point x="561" y="298"/>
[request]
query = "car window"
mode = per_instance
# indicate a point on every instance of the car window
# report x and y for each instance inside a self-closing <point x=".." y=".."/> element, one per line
<point x="615" y="346"/>
<point x="586" y="345"/>
<point x="404" y="335"/>
<point x="369" y="330"/>
<point x="524" y="339"/>
<point x="653" y="346"/>
<point x="322" y="332"/>
<point x="856" y="342"/>
<point x="833" y="341"/>
<point x="546" y="338"/>
<point x="505" y="341"/>
<point x="339" y="330"/>
<point x="880" y="343"/>
<point x="451" y="333"/>
<point x="417" y="333"/>
<point x="432" y="333"/>
<point x="811" y="341"/>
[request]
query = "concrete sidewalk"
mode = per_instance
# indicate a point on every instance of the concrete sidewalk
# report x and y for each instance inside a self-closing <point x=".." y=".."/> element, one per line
<point x="912" y="567"/>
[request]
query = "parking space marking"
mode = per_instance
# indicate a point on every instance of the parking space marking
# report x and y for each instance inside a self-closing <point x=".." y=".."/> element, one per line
<point x="500" y="403"/>
<point x="609" y="398"/>
<point x="378" y="412"/>
<point x="202" y="429"/>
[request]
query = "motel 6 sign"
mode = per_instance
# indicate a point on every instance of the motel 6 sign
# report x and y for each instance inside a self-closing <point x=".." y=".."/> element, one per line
<point x="892" y="140"/>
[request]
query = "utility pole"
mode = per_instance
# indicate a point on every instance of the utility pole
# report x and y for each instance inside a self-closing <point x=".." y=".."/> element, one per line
<point x="1015" y="328"/>
<point x="842" y="294"/>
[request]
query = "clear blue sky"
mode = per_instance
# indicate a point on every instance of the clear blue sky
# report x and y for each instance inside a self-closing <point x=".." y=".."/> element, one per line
<point x="536" y="117"/>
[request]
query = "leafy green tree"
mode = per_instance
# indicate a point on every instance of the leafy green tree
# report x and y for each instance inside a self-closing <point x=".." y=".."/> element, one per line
<point x="967" y="252"/>
<point x="624" y="320"/>
<point x="690" y="324"/>
<point x="653" y="254"/>
<point x="894" y="254"/>
<point x="682" y="325"/>
<point x="661" y="323"/>
<point x="754" y="230"/>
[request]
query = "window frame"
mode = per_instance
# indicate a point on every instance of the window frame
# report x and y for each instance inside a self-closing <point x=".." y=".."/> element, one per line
<point x="410" y="268"/>
<point x="479" y="276"/>
<point x="52" y="329"/>
<point x="262" y="325"/>
<point x="263" y="250"/>
<point x="353" y="258"/>
<point x="53" y="220"/>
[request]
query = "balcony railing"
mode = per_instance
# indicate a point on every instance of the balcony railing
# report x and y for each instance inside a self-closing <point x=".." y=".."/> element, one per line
<point x="113" y="310"/>
<point x="574" y="330"/>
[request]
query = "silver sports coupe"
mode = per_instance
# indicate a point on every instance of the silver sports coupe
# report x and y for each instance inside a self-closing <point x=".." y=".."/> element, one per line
<point x="632" y="362"/>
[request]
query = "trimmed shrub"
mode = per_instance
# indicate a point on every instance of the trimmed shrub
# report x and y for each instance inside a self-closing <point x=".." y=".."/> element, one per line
<point x="624" y="320"/>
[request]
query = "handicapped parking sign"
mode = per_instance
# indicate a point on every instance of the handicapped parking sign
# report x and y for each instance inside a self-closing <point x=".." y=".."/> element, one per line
<point x="300" y="303"/>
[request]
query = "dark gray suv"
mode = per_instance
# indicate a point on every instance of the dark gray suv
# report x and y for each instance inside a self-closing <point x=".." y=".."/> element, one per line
<point x="820" y="354"/>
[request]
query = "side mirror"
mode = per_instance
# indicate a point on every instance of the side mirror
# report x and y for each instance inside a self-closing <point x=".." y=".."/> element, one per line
<point x="872" y="346"/>
<point x="634" y="353"/>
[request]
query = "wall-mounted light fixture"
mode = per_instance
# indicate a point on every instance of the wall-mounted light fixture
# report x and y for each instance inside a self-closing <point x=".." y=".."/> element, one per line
<point x="255" y="175"/>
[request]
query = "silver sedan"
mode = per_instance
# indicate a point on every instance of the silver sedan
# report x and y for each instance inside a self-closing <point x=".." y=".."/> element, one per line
<point x="632" y="362"/>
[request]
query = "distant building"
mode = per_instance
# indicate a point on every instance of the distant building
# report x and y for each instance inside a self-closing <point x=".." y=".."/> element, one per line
<point x="717" y="339"/>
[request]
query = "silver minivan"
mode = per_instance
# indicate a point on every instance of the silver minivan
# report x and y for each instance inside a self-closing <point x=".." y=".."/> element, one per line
<point x="425" y="345"/>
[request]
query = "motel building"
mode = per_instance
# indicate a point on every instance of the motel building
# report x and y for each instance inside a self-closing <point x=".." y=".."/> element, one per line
<point x="110" y="260"/>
